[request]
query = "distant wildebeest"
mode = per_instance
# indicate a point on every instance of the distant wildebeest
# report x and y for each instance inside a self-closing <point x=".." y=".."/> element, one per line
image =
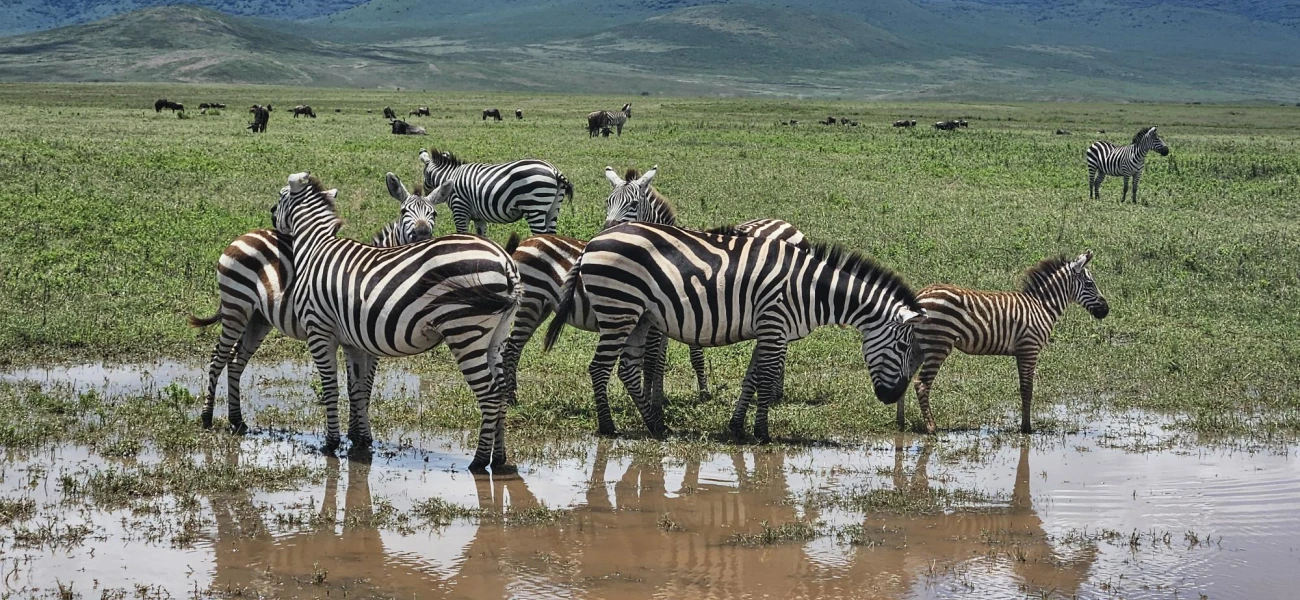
<point x="902" y="123"/>
<point x="207" y="105"/>
<point x="422" y="111"/>
<point x="338" y="110"/>
<point x="303" y="109"/>
<point x="165" y="103"/>
<point x="494" y="113"/>
<point x="947" y="125"/>
<point x="401" y="127"/>
<point x="389" y="114"/>
<point x="261" y="115"/>
<point x="519" y="113"/>
<point x="1101" y="131"/>
<point x="605" y="131"/>
<point x="1063" y="132"/>
<point x="963" y="123"/>
<point x="600" y="119"/>
<point x="829" y="121"/>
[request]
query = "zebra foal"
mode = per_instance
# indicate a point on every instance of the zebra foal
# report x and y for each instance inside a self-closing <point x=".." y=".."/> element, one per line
<point x="1001" y="323"/>
<point x="714" y="289"/>
<point x="1105" y="158"/>
<point x="527" y="189"/>
<point x="253" y="277"/>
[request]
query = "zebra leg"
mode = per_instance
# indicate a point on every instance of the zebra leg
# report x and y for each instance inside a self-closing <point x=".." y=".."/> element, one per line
<point x="461" y="221"/>
<point x="232" y="329"/>
<point x="361" y="379"/>
<point x="747" y="386"/>
<point x="1092" y="184"/>
<point x="1136" y="177"/>
<point x="1027" y="364"/>
<point x="697" y="364"/>
<point x="1124" y="193"/>
<point x="527" y="318"/>
<point x="770" y="375"/>
<point x="619" y="127"/>
<point x="255" y="332"/>
<point x="656" y="354"/>
<point x="324" y="352"/>
<point x="480" y="228"/>
<point x="1100" y="178"/>
<point x="629" y="371"/>
<point x="929" y="370"/>
<point x="608" y="350"/>
<point x="472" y="359"/>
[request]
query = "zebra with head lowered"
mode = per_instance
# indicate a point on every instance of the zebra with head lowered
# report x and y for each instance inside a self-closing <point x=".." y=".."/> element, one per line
<point x="716" y="289"/>
<point x="389" y="302"/>
<point x="1105" y="158"/>
<point x="253" y="276"/>
<point x="527" y="189"/>
<point x="601" y="119"/>
<point x="1001" y="323"/>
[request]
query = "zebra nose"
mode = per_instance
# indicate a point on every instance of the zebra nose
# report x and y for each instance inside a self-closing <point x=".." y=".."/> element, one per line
<point x="422" y="231"/>
<point x="1101" y="310"/>
<point x="891" y="394"/>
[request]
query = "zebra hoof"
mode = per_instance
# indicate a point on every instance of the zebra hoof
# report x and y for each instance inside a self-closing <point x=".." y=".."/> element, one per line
<point x="239" y="428"/>
<point x="330" y="446"/>
<point x="607" y="430"/>
<point x="705" y="396"/>
<point x="478" y="467"/>
<point x="737" y="431"/>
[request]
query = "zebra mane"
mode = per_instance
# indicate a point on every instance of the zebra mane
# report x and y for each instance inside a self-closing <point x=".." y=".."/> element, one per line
<point x="863" y="267"/>
<point x="419" y="189"/>
<point x="1137" y="139"/>
<point x="632" y="174"/>
<point x="314" y="183"/>
<point x="443" y="157"/>
<point x="1038" y="275"/>
<point x="728" y="229"/>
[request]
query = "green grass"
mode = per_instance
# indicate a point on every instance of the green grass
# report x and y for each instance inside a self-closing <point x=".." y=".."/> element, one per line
<point x="112" y="217"/>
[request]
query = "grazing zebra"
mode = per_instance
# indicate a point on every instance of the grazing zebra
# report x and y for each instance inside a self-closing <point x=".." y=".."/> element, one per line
<point x="499" y="193"/>
<point x="711" y="289"/>
<point x="491" y="113"/>
<point x="389" y="302"/>
<point x="602" y="119"/>
<point x="303" y="109"/>
<point x="1105" y="158"/>
<point x="1001" y="323"/>
<point x="253" y="276"/>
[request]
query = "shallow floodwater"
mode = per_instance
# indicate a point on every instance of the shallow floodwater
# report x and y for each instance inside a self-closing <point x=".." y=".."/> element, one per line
<point x="1088" y="516"/>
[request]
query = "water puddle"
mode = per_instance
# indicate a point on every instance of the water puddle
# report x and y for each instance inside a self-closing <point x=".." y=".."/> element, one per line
<point x="960" y="515"/>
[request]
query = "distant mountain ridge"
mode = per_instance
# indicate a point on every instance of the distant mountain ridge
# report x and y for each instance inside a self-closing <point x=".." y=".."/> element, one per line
<point x="23" y="16"/>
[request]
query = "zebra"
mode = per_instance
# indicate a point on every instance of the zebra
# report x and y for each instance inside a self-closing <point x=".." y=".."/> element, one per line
<point x="498" y="193"/>
<point x="253" y="276"/>
<point x="716" y="289"/>
<point x="599" y="119"/>
<point x="1001" y="323"/>
<point x="389" y="302"/>
<point x="1105" y="158"/>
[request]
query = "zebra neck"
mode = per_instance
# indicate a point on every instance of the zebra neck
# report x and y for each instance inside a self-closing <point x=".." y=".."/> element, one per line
<point x="314" y="233"/>
<point x="1053" y="300"/>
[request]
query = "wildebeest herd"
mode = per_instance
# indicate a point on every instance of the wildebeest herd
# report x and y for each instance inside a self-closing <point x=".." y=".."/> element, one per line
<point x="762" y="280"/>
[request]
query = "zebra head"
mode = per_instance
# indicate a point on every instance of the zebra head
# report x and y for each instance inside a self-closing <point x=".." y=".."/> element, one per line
<point x="1085" y="289"/>
<point x="438" y="165"/>
<point x="305" y="205"/>
<point x="627" y="110"/>
<point x="1147" y="139"/>
<point x="630" y="199"/>
<point x="890" y="351"/>
<point x="418" y="211"/>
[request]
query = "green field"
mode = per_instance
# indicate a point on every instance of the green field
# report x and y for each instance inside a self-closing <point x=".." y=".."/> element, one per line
<point x="112" y="217"/>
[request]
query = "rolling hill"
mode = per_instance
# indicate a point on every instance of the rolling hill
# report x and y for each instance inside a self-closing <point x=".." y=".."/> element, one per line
<point x="1203" y="50"/>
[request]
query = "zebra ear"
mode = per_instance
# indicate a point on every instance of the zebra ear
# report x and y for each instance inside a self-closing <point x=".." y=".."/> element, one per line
<point x="297" y="181"/>
<point x="440" y="194"/>
<point x="613" y="177"/>
<point x="424" y="156"/>
<point x="649" y="175"/>
<point x="395" y="188"/>
<point x="1082" y="261"/>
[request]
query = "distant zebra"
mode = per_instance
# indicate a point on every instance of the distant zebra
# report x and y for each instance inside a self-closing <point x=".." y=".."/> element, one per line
<point x="519" y="114"/>
<point x="1015" y="324"/>
<point x="303" y="109"/>
<point x="491" y="113"/>
<point x="253" y="276"/>
<point x="712" y="289"/>
<point x="608" y="118"/>
<point x="527" y="189"/>
<point x="1105" y="158"/>
<point x="397" y="302"/>
<point x="168" y="104"/>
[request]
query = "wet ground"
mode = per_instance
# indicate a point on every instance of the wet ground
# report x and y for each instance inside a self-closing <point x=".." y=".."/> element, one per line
<point x="1120" y="510"/>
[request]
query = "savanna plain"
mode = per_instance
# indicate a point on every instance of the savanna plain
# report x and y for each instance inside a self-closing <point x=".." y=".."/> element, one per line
<point x="1162" y="463"/>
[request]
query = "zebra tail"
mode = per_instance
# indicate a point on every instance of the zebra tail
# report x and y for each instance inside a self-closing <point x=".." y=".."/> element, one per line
<point x="201" y="322"/>
<point x="512" y="244"/>
<point x="562" y="312"/>
<point x="567" y="186"/>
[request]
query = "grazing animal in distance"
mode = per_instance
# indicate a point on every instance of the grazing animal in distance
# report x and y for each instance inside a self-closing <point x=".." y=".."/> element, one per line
<point x="1105" y="158"/>
<point x="1015" y="324"/>
<point x="1063" y="132"/>
<point x="261" y="116"/>
<point x="598" y="121"/>
<point x="207" y="105"/>
<point x="303" y="109"/>
<point x="963" y="123"/>
<point x="494" y="113"/>
<point x="1101" y="131"/>
<point x="422" y="111"/>
<point x="519" y="114"/>
<point x="253" y="276"/>
<point x="401" y="127"/>
<point x="168" y="104"/>
<point x="528" y="189"/>
<point x="947" y="125"/>
<point x="829" y="121"/>
<point x="389" y="114"/>
<point x="727" y="289"/>
<point x="391" y="302"/>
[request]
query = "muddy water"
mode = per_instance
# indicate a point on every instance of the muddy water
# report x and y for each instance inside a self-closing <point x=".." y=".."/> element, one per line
<point x="958" y="516"/>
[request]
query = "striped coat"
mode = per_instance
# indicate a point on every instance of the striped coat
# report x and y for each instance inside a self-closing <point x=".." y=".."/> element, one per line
<point x="1105" y="158"/>
<point x="527" y="189"/>
<point x="601" y="119"/>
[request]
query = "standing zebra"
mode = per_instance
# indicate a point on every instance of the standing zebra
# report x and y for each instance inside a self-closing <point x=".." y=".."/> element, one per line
<point x="502" y="193"/>
<point x="1105" y="158"/>
<point x="253" y="276"/>
<point x="712" y="289"/>
<point x="377" y="302"/>
<point x="1001" y="323"/>
<point x="608" y="118"/>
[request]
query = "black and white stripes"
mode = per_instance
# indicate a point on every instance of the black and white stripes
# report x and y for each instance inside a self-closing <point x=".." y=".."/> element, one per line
<point x="1105" y="158"/>
<point x="601" y="119"/>
<point x="527" y="189"/>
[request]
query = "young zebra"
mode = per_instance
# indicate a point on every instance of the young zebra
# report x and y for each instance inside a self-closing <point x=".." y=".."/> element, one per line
<point x="1001" y="323"/>
<point x="253" y="276"/>
<point x="378" y="302"/>
<point x="1105" y="158"/>
<point x="715" y="289"/>
<point x="599" y="119"/>
<point x="502" y="193"/>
